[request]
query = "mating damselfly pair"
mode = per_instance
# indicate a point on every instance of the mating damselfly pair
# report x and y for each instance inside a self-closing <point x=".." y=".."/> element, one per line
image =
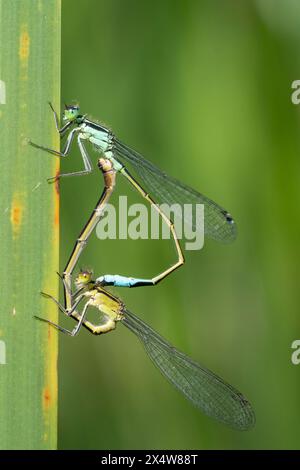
<point x="203" y="388"/>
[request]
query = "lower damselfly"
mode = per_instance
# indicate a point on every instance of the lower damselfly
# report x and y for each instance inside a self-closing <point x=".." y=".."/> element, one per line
<point x="207" y="391"/>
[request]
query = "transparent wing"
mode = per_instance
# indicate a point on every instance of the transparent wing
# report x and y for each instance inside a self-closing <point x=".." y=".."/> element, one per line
<point x="218" y="223"/>
<point x="202" y="387"/>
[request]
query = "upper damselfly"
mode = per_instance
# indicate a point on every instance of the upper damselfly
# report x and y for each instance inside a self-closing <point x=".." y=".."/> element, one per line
<point x="218" y="225"/>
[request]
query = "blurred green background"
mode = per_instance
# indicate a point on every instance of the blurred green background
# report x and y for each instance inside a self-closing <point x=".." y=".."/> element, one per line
<point x="201" y="88"/>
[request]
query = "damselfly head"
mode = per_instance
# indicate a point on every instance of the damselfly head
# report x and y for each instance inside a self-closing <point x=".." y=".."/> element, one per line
<point x="71" y="112"/>
<point x="84" y="277"/>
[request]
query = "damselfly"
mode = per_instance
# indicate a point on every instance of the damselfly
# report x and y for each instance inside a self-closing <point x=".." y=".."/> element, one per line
<point x="203" y="388"/>
<point x="219" y="225"/>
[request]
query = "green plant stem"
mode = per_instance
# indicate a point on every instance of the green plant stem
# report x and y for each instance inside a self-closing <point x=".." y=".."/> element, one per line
<point x="29" y="222"/>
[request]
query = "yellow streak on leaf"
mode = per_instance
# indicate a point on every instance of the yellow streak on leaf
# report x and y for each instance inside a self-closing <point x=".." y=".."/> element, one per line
<point x="24" y="50"/>
<point x="50" y="284"/>
<point x="24" y="44"/>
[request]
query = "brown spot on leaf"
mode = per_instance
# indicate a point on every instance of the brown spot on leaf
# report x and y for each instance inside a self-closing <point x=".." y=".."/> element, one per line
<point x="46" y="397"/>
<point x="57" y="182"/>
